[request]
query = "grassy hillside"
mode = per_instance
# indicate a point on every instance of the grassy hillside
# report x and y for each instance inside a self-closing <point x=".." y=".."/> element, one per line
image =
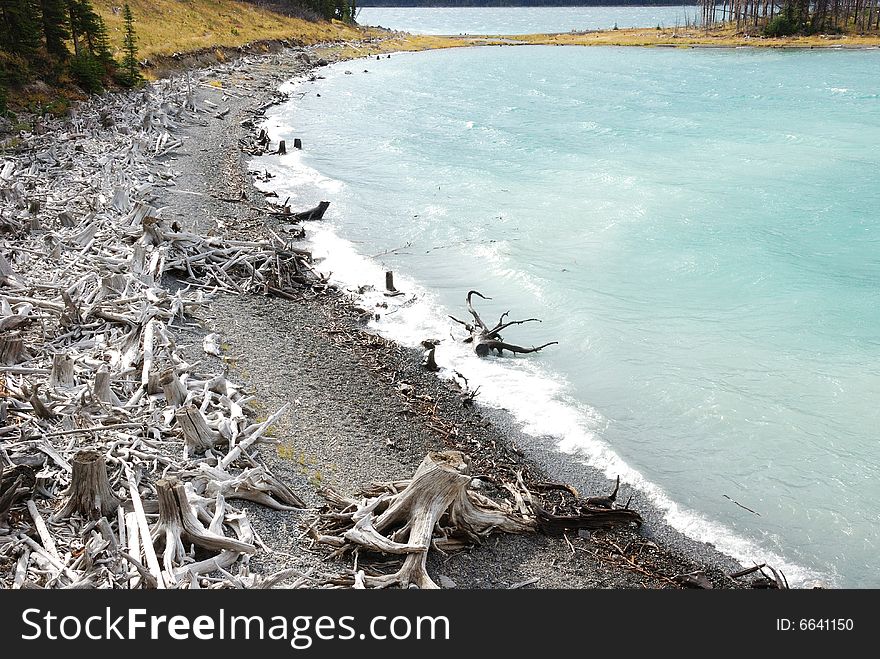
<point x="168" y="26"/>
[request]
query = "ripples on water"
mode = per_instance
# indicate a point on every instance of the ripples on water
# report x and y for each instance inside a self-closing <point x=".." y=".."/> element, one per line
<point x="698" y="229"/>
<point x="523" y="20"/>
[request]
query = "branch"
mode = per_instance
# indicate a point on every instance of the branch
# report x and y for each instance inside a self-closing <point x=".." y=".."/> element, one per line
<point x="500" y="346"/>
<point x="493" y="333"/>
<point x="473" y="311"/>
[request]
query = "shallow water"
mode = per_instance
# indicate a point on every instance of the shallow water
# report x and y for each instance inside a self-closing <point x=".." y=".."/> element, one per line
<point x="523" y="20"/>
<point x="699" y="231"/>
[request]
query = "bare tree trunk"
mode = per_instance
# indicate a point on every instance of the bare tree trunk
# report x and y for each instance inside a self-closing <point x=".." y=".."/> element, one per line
<point x="90" y="493"/>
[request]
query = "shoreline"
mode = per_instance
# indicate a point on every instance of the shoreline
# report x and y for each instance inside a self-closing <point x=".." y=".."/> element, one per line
<point x="584" y="478"/>
<point x="351" y="423"/>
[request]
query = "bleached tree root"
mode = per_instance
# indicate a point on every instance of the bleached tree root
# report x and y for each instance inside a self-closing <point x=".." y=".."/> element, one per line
<point x="433" y="509"/>
<point x="90" y="493"/>
<point x="254" y="484"/>
<point x="178" y="523"/>
<point x="488" y="339"/>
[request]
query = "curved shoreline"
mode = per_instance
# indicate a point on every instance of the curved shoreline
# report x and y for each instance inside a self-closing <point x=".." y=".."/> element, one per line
<point x="554" y="463"/>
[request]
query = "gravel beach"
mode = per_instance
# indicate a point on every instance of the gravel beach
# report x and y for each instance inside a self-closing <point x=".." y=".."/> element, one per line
<point x="351" y="421"/>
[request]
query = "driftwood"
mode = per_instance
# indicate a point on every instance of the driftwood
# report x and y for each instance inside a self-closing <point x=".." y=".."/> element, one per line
<point x="315" y="213"/>
<point x="90" y="494"/>
<point x="436" y="508"/>
<point x="89" y="356"/>
<point x="178" y="523"/>
<point x="486" y="339"/>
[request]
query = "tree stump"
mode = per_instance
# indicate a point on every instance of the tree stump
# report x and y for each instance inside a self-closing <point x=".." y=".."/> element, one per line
<point x="89" y="493"/>
<point x="435" y="508"/>
<point x="16" y="483"/>
<point x="486" y="339"/>
<point x="62" y="371"/>
<point x="196" y="433"/>
<point x="12" y="349"/>
<point x="297" y="143"/>
<point x="282" y="148"/>
<point x="175" y="392"/>
<point x="101" y="389"/>
<point x="177" y="523"/>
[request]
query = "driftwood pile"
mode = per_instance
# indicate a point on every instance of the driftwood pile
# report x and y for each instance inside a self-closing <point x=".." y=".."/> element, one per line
<point x="118" y="456"/>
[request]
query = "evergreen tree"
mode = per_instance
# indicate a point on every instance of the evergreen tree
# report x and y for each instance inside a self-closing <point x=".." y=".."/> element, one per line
<point x="55" y="32"/>
<point x="87" y="25"/>
<point x="101" y="42"/>
<point x="130" y="75"/>
<point x="19" y="30"/>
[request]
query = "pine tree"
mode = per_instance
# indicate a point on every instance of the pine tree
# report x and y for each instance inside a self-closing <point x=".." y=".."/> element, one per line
<point x="87" y="24"/>
<point x="19" y="27"/>
<point x="130" y="75"/>
<point x="55" y="30"/>
<point x="101" y="42"/>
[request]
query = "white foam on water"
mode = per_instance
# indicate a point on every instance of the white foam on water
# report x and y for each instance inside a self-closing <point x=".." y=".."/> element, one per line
<point x="538" y="400"/>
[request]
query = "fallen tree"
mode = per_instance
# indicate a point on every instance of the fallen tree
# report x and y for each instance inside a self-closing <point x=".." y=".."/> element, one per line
<point x="486" y="339"/>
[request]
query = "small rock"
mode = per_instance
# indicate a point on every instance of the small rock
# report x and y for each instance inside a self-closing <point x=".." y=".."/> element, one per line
<point x="446" y="582"/>
<point x="584" y="533"/>
<point x="211" y="344"/>
<point x="477" y="484"/>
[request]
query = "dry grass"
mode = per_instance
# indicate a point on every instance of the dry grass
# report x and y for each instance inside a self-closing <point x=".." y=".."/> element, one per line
<point x="695" y="37"/>
<point x="167" y="26"/>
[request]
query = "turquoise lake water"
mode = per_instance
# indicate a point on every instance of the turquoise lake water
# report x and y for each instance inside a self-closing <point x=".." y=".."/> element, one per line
<point x="523" y="20"/>
<point x="699" y="229"/>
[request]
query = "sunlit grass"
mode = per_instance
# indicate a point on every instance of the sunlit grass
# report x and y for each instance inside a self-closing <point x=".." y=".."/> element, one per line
<point x="165" y="27"/>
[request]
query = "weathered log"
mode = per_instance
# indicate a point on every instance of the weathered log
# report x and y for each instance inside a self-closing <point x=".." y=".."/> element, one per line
<point x="315" y="213"/>
<point x="486" y="339"/>
<point x="406" y="522"/>
<point x="177" y="523"/>
<point x="90" y="493"/>
<point x="590" y="519"/>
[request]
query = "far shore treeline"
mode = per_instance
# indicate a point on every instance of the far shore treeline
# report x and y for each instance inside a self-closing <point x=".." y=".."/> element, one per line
<point x="527" y="3"/>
